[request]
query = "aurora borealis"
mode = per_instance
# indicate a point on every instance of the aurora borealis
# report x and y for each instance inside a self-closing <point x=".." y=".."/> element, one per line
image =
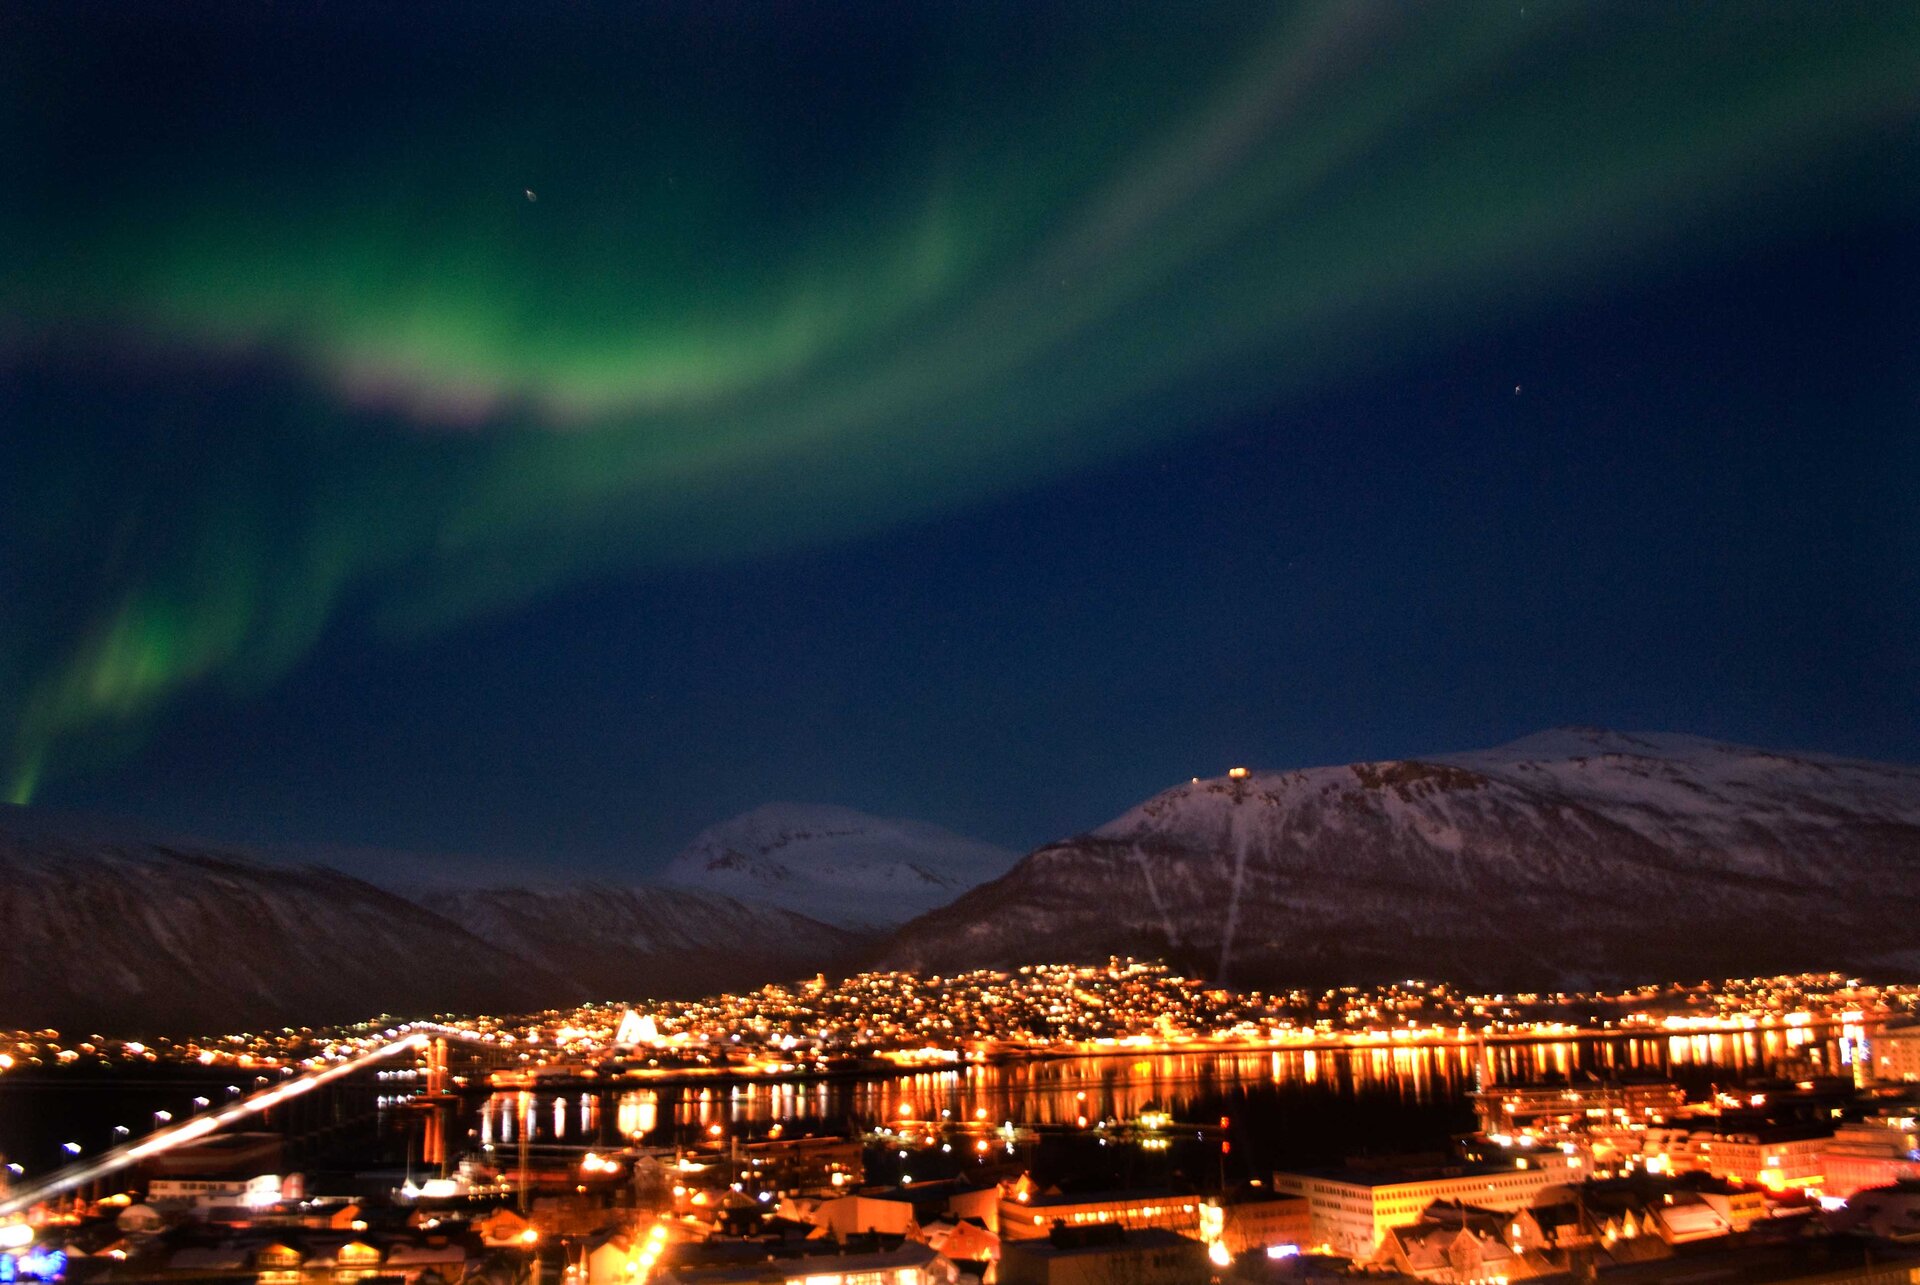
<point x="295" y="370"/>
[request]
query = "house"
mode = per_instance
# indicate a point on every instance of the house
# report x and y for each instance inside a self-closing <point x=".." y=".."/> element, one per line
<point x="1694" y="1206"/>
<point x="1463" y="1245"/>
<point x="962" y="1239"/>
<point x="428" y="1264"/>
<point x="845" y="1216"/>
<point x="279" y="1263"/>
<point x="340" y="1261"/>
<point x="503" y="1227"/>
<point x="953" y="1196"/>
<point x="1685" y="1216"/>
<point x="615" y="1256"/>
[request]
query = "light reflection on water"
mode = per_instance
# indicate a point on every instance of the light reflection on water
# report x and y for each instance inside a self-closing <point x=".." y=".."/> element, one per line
<point x="1061" y="1090"/>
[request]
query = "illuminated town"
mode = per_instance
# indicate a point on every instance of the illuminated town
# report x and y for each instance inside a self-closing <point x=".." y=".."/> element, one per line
<point x="695" y="1142"/>
<point x="1042" y="1009"/>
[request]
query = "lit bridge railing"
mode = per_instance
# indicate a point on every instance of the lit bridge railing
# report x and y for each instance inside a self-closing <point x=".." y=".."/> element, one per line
<point x="132" y="1152"/>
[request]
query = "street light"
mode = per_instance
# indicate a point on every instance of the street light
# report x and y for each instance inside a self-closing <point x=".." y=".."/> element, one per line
<point x="71" y="1148"/>
<point x="161" y="1117"/>
<point x="121" y="1131"/>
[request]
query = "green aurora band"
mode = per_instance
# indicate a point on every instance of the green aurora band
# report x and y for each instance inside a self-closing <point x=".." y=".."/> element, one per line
<point x="779" y="286"/>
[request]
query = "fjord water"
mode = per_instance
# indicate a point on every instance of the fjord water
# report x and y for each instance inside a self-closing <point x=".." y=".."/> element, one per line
<point x="1287" y="1107"/>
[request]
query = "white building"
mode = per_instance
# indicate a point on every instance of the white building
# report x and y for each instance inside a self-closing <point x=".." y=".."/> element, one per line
<point x="1349" y="1211"/>
<point x="204" y="1193"/>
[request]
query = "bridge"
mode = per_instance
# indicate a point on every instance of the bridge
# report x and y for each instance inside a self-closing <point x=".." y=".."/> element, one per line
<point x="415" y="1036"/>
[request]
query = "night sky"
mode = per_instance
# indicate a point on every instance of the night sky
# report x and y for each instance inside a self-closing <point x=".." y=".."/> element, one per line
<point x="542" y="433"/>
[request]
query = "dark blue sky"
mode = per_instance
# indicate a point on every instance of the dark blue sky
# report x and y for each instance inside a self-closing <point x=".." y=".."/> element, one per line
<point x="984" y="421"/>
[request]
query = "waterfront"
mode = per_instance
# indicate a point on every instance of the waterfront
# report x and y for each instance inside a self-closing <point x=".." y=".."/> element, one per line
<point x="1285" y="1107"/>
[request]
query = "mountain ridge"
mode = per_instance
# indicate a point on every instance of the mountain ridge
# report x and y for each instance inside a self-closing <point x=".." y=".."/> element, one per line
<point x="106" y="927"/>
<point x="835" y="864"/>
<point x="146" y="937"/>
<point x="110" y="933"/>
<point x="1571" y="854"/>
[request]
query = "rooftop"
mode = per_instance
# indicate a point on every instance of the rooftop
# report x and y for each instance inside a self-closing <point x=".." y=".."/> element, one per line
<point x="1143" y="1238"/>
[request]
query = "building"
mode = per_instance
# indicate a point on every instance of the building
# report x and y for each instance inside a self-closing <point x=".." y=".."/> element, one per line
<point x="1675" y="1211"/>
<point x="295" y="1255"/>
<point x="1779" y="1157"/>
<point x="1257" y="1224"/>
<point x="1878" y="1151"/>
<point x="845" y="1216"/>
<point x="928" y="1202"/>
<point x="1350" y="1210"/>
<point x="1463" y="1245"/>
<point x="1892" y="1212"/>
<point x="1896" y="1053"/>
<point x="909" y="1264"/>
<point x="612" y="1257"/>
<point x="964" y="1241"/>
<point x="1825" y="1260"/>
<point x="1029" y="1215"/>
<point x="1548" y="1110"/>
<point x="1105" y="1254"/>
<point x="801" y="1164"/>
<point x="206" y="1193"/>
<point x="1741" y="1207"/>
<point x="981" y="1204"/>
<point x="341" y="1262"/>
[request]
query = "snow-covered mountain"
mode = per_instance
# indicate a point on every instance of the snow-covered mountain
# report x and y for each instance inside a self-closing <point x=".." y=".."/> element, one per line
<point x="99" y="931"/>
<point x="103" y="930"/>
<point x="1575" y="854"/>
<point x="836" y="864"/>
<point x="625" y="943"/>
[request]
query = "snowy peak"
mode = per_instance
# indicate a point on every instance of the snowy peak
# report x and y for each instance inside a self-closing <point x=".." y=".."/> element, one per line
<point x="1573" y="854"/>
<point x="109" y="931"/>
<point x="1574" y="742"/>
<point x="1741" y="809"/>
<point x="835" y="864"/>
<point x="628" y="942"/>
